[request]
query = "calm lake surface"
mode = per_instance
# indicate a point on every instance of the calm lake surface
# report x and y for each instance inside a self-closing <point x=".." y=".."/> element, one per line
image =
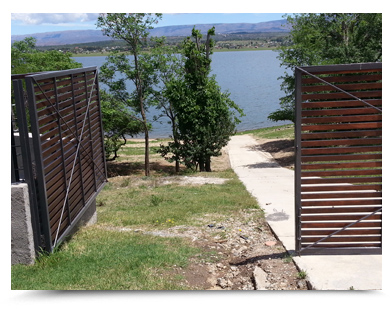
<point x="251" y="77"/>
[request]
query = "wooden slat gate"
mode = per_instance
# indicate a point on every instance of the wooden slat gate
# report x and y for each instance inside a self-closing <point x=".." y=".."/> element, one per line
<point x="338" y="170"/>
<point x="68" y="150"/>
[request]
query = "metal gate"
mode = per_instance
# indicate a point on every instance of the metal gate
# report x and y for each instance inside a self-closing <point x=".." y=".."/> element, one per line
<point x="63" y="120"/>
<point x="338" y="168"/>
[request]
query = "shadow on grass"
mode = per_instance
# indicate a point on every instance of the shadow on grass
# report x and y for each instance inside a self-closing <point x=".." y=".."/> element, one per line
<point x="137" y="168"/>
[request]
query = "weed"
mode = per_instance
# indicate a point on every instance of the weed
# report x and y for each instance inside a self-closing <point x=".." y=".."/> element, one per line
<point x="287" y="258"/>
<point x="155" y="200"/>
<point x="302" y="274"/>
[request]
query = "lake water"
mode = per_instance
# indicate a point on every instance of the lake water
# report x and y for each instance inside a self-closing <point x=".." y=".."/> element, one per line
<point x="251" y="77"/>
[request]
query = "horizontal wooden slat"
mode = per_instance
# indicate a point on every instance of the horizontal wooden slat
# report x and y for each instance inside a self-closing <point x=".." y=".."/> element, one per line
<point x="338" y="217"/>
<point x="342" y="95"/>
<point x="354" y="202"/>
<point x="338" y="158"/>
<point x="346" y="87"/>
<point x="348" y="231"/>
<point x="321" y="180"/>
<point x="344" y="141"/>
<point x="340" y="195"/>
<point x="342" y="78"/>
<point x="322" y="166"/>
<point x="337" y="150"/>
<point x="346" y="126"/>
<point x="338" y="111"/>
<point x="341" y="209"/>
<point x="341" y="134"/>
<point x="344" y="246"/>
<point x="342" y="173"/>
<point x="340" y="225"/>
<point x="341" y="187"/>
<point x="342" y="104"/>
<point x="349" y="239"/>
<point x="342" y="119"/>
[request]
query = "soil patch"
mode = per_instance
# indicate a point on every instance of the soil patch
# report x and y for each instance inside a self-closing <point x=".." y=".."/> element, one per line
<point x="282" y="150"/>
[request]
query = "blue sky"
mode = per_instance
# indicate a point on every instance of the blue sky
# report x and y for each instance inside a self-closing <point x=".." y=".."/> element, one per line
<point x="28" y="17"/>
<point x="28" y="23"/>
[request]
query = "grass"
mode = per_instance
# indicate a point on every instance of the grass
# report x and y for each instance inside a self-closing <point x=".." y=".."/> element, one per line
<point x="148" y="203"/>
<point x="102" y="257"/>
<point x="96" y="259"/>
<point x="277" y="132"/>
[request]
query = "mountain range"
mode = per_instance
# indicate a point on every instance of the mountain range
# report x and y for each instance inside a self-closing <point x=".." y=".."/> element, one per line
<point x="88" y="36"/>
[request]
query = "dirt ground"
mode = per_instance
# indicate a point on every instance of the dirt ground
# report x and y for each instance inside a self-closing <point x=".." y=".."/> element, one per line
<point x="235" y="248"/>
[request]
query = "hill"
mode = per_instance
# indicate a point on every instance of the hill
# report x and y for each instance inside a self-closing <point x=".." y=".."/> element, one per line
<point x="87" y="36"/>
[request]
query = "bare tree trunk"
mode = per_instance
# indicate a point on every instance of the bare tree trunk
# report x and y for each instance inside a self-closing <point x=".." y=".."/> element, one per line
<point x="208" y="164"/>
<point x="147" y="163"/>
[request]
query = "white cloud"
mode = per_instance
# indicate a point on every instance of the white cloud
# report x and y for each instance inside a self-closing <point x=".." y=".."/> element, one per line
<point x="53" y="18"/>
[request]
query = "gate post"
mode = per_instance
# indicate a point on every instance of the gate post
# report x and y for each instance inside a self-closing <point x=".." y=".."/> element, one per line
<point x="297" y="168"/>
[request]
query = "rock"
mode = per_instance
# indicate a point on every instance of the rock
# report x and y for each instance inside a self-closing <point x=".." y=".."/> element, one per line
<point x="260" y="278"/>
<point x="223" y="283"/>
<point x="301" y="284"/>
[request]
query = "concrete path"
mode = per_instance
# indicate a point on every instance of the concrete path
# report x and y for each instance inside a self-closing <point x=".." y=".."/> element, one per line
<point x="273" y="187"/>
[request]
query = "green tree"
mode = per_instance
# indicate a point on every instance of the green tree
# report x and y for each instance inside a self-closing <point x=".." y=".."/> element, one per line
<point x="25" y="58"/>
<point x="206" y="117"/>
<point x="118" y="123"/>
<point x="133" y="28"/>
<point x="323" y="39"/>
<point x="170" y="68"/>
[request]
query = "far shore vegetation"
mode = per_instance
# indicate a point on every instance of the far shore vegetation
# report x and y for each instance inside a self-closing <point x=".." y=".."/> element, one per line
<point x="105" y="54"/>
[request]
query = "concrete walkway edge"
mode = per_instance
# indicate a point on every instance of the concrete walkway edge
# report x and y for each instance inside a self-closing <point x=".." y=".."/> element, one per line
<point x="273" y="187"/>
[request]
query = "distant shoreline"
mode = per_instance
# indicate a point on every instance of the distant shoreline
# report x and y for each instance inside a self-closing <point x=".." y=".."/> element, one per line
<point x="215" y="51"/>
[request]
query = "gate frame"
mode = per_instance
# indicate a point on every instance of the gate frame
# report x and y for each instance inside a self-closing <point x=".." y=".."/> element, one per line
<point x="299" y="71"/>
<point x="37" y="187"/>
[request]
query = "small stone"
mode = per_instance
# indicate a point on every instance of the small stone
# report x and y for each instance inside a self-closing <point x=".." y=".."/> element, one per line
<point x="223" y="283"/>
<point x="301" y="284"/>
<point x="270" y="243"/>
